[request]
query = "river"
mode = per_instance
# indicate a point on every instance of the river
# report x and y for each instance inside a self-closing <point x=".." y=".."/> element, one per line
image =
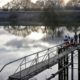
<point x="19" y="41"/>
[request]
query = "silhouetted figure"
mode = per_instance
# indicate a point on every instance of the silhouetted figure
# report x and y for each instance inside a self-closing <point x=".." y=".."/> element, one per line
<point x="79" y="38"/>
<point x="75" y="38"/>
<point x="59" y="50"/>
<point x="71" y="41"/>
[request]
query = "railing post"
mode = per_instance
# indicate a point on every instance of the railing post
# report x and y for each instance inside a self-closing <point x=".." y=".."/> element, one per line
<point x="25" y="62"/>
<point x="63" y="62"/>
<point x="72" y="66"/>
<point x="78" y="64"/>
<point x="37" y="58"/>
<point x="20" y="71"/>
<point x="48" y="58"/>
<point x="60" y="65"/>
<point x="20" y="67"/>
<point x="66" y="69"/>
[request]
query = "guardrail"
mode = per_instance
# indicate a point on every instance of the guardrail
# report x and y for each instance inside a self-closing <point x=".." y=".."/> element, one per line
<point x="33" y="59"/>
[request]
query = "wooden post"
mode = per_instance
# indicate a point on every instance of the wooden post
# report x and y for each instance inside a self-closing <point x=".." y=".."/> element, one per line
<point x="60" y="64"/>
<point x="78" y="64"/>
<point x="66" y="69"/>
<point x="65" y="62"/>
<point x="72" y="66"/>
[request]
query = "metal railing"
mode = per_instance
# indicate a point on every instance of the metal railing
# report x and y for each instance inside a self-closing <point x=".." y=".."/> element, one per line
<point x="34" y="59"/>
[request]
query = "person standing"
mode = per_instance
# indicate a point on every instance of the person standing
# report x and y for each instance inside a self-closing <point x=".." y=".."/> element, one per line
<point x="66" y="42"/>
<point x="69" y="38"/>
<point x="79" y="37"/>
<point x="72" y="41"/>
<point x="75" y="38"/>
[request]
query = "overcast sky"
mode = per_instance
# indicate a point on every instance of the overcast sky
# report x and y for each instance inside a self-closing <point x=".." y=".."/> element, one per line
<point x="3" y="2"/>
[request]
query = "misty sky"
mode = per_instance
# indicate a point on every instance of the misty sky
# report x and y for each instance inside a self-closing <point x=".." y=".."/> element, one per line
<point x="3" y="2"/>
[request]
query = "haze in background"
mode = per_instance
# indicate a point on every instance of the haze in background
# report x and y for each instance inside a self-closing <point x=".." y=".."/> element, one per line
<point x="3" y="2"/>
<point x="66" y="1"/>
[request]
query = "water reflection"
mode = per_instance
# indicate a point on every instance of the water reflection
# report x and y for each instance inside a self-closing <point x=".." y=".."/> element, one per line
<point x="26" y="30"/>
